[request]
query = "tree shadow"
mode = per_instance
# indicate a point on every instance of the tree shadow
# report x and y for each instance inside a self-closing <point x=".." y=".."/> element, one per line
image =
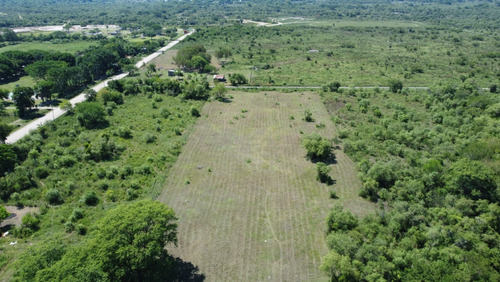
<point x="187" y="271"/>
<point x="331" y="159"/>
<point x="32" y="114"/>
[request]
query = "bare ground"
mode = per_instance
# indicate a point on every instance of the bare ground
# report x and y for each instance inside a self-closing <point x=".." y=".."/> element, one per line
<point x="16" y="215"/>
<point x="247" y="199"/>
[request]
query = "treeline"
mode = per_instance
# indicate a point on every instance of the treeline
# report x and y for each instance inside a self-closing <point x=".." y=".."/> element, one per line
<point x="431" y="161"/>
<point x="455" y="13"/>
<point x="65" y="73"/>
<point x="56" y="37"/>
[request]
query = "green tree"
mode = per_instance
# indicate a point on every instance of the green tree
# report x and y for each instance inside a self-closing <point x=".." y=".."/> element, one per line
<point x="223" y="53"/>
<point x="8" y="158"/>
<point x="237" y="79"/>
<point x="128" y="244"/>
<point x="91" y="94"/>
<point x="395" y="85"/>
<point x="22" y="97"/>
<point x="4" y="93"/>
<point x="90" y="114"/>
<point x="186" y="57"/>
<point x="317" y="147"/>
<point x="3" y="213"/>
<point x="323" y="171"/>
<point x="338" y="219"/>
<point x="5" y="130"/>
<point x="471" y="179"/>
<point x="219" y="92"/>
<point x="332" y="86"/>
<point x="44" y="89"/>
<point x="37" y="257"/>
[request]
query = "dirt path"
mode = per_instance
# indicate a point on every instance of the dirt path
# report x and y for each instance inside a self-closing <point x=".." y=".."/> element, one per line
<point x="16" y="215"/>
<point x="248" y="203"/>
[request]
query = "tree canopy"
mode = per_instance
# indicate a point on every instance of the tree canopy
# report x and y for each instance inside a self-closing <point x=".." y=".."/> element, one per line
<point x="128" y="244"/>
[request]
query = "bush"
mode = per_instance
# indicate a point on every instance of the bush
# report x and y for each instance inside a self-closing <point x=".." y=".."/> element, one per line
<point x="338" y="219"/>
<point x="69" y="227"/>
<point x="90" y="115"/>
<point x="194" y="111"/>
<point x="81" y="230"/>
<point x="317" y="148"/>
<point x="308" y="116"/>
<point x="331" y="87"/>
<point x="41" y="172"/>
<point x="124" y="132"/>
<point x="90" y="198"/>
<point x="323" y="171"/>
<point x="237" y="79"/>
<point x="107" y="95"/>
<point x="164" y="113"/>
<point x="395" y="85"/>
<point x="76" y="215"/>
<point x="66" y="161"/>
<point x="149" y="138"/>
<point x="8" y="158"/>
<point x="53" y="196"/>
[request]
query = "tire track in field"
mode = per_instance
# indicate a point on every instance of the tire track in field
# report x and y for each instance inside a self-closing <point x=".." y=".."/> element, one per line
<point x="255" y="220"/>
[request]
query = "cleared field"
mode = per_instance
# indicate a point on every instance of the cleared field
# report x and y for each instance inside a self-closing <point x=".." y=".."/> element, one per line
<point x="247" y="199"/>
<point x="70" y="47"/>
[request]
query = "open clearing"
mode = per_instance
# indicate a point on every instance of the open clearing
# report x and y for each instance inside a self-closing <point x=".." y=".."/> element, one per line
<point x="247" y="199"/>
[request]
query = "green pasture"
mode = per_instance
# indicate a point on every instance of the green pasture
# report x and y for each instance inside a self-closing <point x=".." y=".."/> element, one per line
<point x="70" y="47"/>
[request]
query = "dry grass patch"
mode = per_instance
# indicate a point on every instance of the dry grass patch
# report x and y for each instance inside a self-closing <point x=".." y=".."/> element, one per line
<point x="248" y="202"/>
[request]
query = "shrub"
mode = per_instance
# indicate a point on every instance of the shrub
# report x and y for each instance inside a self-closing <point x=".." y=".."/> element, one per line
<point x="323" y="171"/>
<point x="308" y="116"/>
<point x="124" y="132"/>
<point x="107" y="95"/>
<point x="66" y="161"/>
<point x="90" y="198"/>
<point x="338" y="219"/>
<point x="395" y="85"/>
<point x="76" y="215"/>
<point x="237" y="79"/>
<point x="90" y="114"/>
<point x="149" y="138"/>
<point x="110" y="195"/>
<point x="41" y="172"/>
<point x="194" y="111"/>
<point x="131" y="194"/>
<point x="53" y="196"/>
<point x="69" y="227"/>
<point x="81" y="230"/>
<point x="8" y="158"/>
<point x="317" y="147"/>
<point x="164" y="113"/>
<point x="331" y="87"/>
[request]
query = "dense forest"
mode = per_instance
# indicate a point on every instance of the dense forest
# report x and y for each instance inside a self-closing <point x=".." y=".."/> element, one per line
<point x="422" y="131"/>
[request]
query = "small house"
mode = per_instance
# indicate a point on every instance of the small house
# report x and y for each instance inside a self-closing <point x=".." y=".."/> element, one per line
<point x="220" y="78"/>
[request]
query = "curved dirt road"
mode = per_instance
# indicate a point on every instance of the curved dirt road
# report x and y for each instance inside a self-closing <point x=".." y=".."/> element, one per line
<point x="57" y="112"/>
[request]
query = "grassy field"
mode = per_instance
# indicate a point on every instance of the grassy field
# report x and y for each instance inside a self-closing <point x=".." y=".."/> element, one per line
<point x="70" y="47"/>
<point x="24" y="81"/>
<point x="247" y="199"/>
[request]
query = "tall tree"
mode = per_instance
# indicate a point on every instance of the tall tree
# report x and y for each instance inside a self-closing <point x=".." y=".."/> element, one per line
<point x="128" y="245"/>
<point x="5" y="130"/>
<point x="23" y="98"/>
